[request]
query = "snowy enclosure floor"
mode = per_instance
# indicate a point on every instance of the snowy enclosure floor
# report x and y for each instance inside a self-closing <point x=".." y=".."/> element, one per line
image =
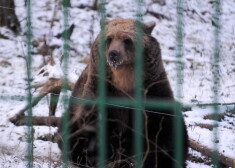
<point x="197" y="84"/>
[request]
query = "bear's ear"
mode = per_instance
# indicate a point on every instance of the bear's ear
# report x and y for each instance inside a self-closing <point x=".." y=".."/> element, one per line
<point x="148" y="27"/>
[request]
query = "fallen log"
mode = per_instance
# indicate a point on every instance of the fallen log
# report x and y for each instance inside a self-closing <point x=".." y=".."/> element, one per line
<point x="208" y="152"/>
<point x="52" y="86"/>
<point x="43" y="121"/>
<point x="207" y="126"/>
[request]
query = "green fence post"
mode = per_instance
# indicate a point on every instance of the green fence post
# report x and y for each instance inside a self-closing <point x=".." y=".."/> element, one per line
<point x="215" y="72"/>
<point x="138" y="113"/>
<point x="29" y="80"/>
<point x="179" y="70"/>
<point x="102" y="89"/>
<point x="65" y="87"/>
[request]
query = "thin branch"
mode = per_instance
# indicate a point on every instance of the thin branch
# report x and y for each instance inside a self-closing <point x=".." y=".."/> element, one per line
<point x="158" y="15"/>
<point x="156" y="139"/>
<point x="216" y="104"/>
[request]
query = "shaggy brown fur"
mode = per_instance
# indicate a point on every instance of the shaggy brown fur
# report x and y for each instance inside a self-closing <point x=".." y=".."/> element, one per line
<point x="158" y="129"/>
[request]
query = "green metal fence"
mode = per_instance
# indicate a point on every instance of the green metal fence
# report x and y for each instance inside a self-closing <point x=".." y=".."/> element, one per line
<point x="102" y="88"/>
<point x="65" y="87"/>
<point x="215" y="63"/>
<point x="29" y="80"/>
<point x="138" y="102"/>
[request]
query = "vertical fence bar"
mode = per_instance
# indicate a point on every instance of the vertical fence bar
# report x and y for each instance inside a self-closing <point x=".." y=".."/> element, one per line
<point x="29" y="80"/>
<point x="215" y="72"/>
<point x="138" y="123"/>
<point x="179" y="70"/>
<point x="65" y="97"/>
<point x="102" y="88"/>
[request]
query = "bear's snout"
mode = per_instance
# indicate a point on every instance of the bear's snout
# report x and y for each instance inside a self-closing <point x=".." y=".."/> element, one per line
<point x="114" y="58"/>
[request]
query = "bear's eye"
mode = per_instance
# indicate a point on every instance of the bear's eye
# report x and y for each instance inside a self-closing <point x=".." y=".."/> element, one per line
<point x="109" y="40"/>
<point x="128" y="41"/>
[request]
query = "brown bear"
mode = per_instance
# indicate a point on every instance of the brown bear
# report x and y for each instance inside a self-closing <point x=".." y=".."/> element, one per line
<point x="158" y="131"/>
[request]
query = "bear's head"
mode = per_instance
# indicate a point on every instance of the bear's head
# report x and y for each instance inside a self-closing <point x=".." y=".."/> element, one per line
<point x="120" y="40"/>
<point x="120" y="35"/>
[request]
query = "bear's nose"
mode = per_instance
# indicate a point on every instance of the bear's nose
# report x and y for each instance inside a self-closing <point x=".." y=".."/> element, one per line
<point x="114" y="56"/>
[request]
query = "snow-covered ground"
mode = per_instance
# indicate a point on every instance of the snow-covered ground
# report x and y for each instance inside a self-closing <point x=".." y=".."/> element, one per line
<point x="197" y="84"/>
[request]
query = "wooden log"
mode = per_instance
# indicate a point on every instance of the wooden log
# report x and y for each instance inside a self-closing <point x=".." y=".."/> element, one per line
<point x="208" y="152"/>
<point x="51" y="86"/>
<point x="45" y="121"/>
<point x="21" y="114"/>
<point x="218" y="117"/>
<point x="207" y="126"/>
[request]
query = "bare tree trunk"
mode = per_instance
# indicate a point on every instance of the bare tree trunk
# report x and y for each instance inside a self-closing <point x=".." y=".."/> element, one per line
<point x="8" y="17"/>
